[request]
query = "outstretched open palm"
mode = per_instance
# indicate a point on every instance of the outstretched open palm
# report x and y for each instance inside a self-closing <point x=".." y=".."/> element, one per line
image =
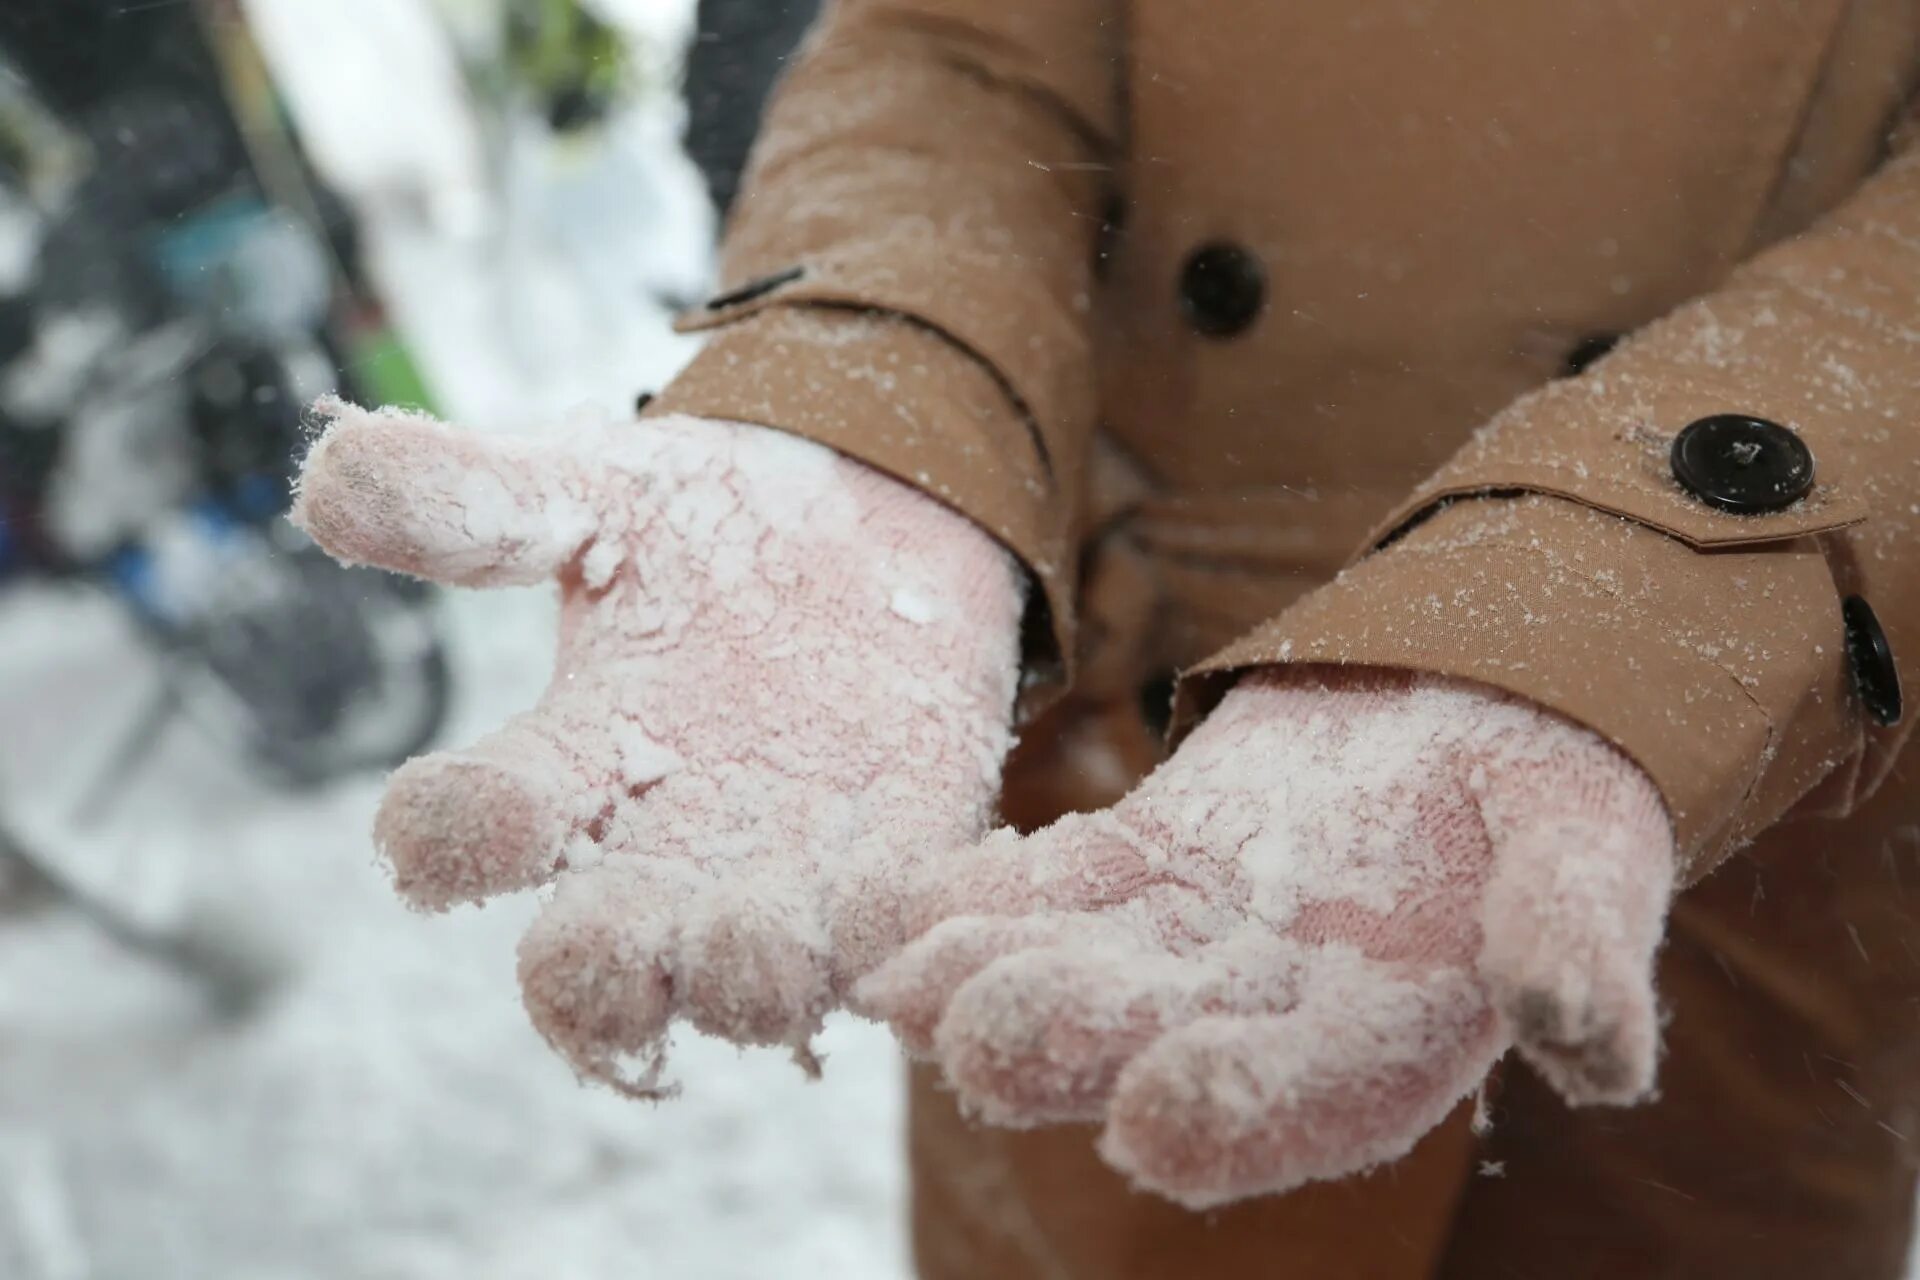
<point x="1293" y="948"/>
<point x="775" y="665"/>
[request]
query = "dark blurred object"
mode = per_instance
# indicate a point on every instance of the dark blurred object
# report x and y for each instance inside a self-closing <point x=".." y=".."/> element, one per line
<point x="80" y="53"/>
<point x="195" y="286"/>
<point x="574" y="63"/>
<point x="305" y="670"/>
<point x="739" y="48"/>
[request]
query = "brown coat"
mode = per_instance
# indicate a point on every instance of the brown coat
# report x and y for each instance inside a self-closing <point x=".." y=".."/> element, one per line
<point x="1193" y="304"/>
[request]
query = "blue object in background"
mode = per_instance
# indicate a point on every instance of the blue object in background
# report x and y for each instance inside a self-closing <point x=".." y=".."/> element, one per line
<point x="190" y="250"/>
<point x="135" y="569"/>
<point x="260" y="497"/>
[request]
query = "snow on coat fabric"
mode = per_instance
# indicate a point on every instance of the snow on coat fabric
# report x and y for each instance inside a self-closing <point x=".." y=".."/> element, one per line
<point x="1413" y="279"/>
<point x="1193" y="308"/>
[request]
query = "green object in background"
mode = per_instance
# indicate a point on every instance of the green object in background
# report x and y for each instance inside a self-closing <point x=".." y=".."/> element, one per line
<point x="384" y="370"/>
<point x="575" y="64"/>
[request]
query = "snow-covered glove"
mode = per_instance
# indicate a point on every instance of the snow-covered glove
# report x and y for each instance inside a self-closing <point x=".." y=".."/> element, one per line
<point x="1295" y="946"/>
<point x="775" y="665"/>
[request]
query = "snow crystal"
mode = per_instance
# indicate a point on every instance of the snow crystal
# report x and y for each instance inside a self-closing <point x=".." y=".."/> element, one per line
<point x="912" y="606"/>
<point x="642" y="759"/>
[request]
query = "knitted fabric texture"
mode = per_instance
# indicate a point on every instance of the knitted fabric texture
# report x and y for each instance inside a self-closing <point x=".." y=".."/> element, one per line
<point x="775" y="666"/>
<point x="1292" y="949"/>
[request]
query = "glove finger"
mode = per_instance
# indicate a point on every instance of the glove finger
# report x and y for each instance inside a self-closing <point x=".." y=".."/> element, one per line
<point x="754" y="962"/>
<point x="1229" y="1107"/>
<point x="1571" y="919"/>
<point x="911" y="992"/>
<point x="498" y="816"/>
<point x="1040" y="1037"/>
<point x="404" y="492"/>
<point x="1083" y="862"/>
<point x="597" y="967"/>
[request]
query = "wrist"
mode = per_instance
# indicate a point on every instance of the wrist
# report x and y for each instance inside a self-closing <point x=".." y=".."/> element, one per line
<point x="936" y="562"/>
<point x="1720" y="675"/>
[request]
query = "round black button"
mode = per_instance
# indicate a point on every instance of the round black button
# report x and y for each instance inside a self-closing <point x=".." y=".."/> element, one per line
<point x="1742" y="464"/>
<point x="1222" y="289"/>
<point x="1874" y="674"/>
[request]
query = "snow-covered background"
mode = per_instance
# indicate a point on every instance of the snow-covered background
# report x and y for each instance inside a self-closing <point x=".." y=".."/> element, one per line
<point x="387" y="1113"/>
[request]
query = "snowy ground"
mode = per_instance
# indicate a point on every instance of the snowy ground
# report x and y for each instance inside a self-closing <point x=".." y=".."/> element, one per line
<point x="388" y="1114"/>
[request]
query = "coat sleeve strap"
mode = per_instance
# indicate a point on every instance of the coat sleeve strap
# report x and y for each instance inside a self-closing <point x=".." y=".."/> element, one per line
<point x="908" y="273"/>
<point x="1573" y="554"/>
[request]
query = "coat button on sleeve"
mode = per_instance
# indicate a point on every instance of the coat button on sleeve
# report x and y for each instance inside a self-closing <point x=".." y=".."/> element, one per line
<point x="1742" y="464"/>
<point x="1874" y="673"/>
<point x="1223" y="288"/>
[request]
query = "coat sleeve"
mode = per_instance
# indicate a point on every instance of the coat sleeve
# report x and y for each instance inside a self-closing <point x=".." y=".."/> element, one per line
<point x="1558" y="558"/>
<point x="908" y="271"/>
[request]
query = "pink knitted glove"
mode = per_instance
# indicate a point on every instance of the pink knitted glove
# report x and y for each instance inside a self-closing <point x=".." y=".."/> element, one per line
<point x="1293" y="948"/>
<point x="774" y="665"/>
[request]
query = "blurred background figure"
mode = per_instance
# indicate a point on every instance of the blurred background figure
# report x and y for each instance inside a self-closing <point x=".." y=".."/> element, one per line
<point x="738" y="49"/>
<point x="229" y="1052"/>
<point x="191" y="285"/>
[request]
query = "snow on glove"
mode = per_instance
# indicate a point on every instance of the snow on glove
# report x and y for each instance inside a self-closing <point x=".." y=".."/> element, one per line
<point x="1294" y="947"/>
<point x="773" y="663"/>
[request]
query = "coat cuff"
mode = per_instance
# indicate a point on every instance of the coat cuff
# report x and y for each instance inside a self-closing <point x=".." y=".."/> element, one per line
<point x="1042" y="364"/>
<point x="1722" y="674"/>
<point x="906" y="401"/>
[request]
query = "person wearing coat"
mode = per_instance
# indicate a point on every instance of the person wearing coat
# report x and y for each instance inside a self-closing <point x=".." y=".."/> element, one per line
<point x="1481" y="435"/>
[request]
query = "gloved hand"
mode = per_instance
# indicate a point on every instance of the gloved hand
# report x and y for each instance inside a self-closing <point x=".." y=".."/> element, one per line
<point x="774" y="665"/>
<point x="1293" y="948"/>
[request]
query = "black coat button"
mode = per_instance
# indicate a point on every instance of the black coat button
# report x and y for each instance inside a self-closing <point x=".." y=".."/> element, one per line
<point x="1586" y="351"/>
<point x="1742" y="464"/>
<point x="754" y="288"/>
<point x="1222" y="289"/>
<point x="1874" y="674"/>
